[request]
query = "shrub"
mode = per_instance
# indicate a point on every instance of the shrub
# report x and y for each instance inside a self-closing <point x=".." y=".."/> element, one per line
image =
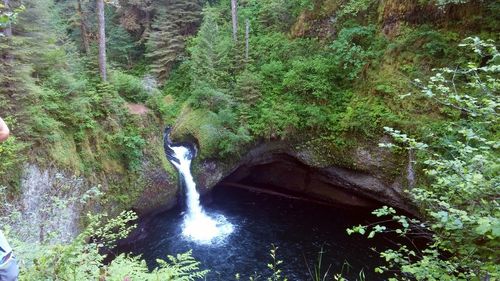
<point x="130" y="145"/>
<point x="459" y="196"/>
<point x="130" y="87"/>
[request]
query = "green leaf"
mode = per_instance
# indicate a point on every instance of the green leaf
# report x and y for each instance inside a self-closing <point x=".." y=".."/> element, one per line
<point x="484" y="225"/>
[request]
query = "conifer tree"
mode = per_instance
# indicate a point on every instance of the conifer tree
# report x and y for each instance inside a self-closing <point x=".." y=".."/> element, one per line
<point x="164" y="45"/>
<point x="247" y="93"/>
<point x="210" y="64"/>
<point x="15" y="73"/>
<point x="120" y="45"/>
<point x="31" y="51"/>
<point x="135" y="17"/>
<point x="166" y="41"/>
<point x="83" y="27"/>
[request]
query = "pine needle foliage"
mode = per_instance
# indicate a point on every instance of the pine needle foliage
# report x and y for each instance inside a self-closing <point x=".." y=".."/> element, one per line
<point x="167" y="39"/>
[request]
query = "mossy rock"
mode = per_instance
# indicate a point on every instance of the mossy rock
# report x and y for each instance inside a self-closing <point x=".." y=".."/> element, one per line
<point x="200" y="126"/>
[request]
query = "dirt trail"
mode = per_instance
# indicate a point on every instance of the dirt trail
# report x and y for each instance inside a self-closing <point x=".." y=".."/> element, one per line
<point x="137" y="108"/>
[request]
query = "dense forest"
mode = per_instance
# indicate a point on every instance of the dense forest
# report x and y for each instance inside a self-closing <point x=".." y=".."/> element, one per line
<point x="87" y="87"/>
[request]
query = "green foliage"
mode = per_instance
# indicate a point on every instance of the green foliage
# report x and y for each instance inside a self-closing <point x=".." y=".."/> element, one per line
<point x="130" y="145"/>
<point x="311" y="78"/>
<point x="12" y="159"/>
<point x="209" y="65"/>
<point x="182" y="267"/>
<point x="83" y="259"/>
<point x="121" y="48"/>
<point x="459" y="202"/>
<point x="317" y="273"/>
<point x="300" y="84"/>
<point x="11" y="155"/>
<point x="248" y="90"/>
<point x="366" y="116"/>
<point x="354" y="7"/>
<point x="166" y="41"/>
<point x="212" y="130"/>
<point x="426" y="44"/>
<point x="8" y="16"/>
<point x="275" y="119"/>
<point x="334" y="91"/>
<point x="448" y="2"/>
<point x="354" y="48"/>
<point x="130" y="87"/>
<point x="274" y="266"/>
<point x="276" y="15"/>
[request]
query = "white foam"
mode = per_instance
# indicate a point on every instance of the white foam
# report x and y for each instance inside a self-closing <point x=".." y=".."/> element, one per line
<point x="198" y="226"/>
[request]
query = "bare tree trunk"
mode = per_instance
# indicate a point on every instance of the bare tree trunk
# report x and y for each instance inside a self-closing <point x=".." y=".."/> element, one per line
<point x="410" y="172"/>
<point x="247" y="38"/>
<point x="7" y="32"/>
<point x="8" y="29"/>
<point x="234" y="13"/>
<point x="83" y="28"/>
<point x="102" y="39"/>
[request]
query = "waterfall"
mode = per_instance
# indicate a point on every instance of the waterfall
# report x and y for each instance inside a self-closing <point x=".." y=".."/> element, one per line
<point x="198" y="226"/>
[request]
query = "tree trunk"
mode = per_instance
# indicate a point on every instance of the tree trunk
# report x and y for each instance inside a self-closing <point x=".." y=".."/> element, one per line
<point x="8" y="28"/>
<point x="247" y="38"/>
<point x="410" y="172"/>
<point x="234" y="13"/>
<point x="83" y="28"/>
<point x="7" y="32"/>
<point x="102" y="39"/>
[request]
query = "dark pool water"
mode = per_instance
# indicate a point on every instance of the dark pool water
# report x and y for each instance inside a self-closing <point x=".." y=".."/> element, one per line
<point x="299" y="229"/>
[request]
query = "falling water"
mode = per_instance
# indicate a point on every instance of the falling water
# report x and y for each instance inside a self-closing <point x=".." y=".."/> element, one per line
<point x="198" y="225"/>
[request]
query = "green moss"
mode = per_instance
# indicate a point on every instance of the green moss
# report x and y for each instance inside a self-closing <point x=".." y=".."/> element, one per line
<point x="214" y="135"/>
<point x="65" y="155"/>
<point x="167" y="166"/>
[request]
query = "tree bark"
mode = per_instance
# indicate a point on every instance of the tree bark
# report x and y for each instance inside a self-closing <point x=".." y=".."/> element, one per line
<point x="247" y="38"/>
<point x="102" y="39"/>
<point x="83" y="28"/>
<point x="7" y="32"/>
<point x="234" y="14"/>
<point x="8" y="29"/>
<point x="410" y="173"/>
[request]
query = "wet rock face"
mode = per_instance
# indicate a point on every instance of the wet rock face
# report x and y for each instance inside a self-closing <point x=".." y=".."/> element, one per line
<point x="159" y="193"/>
<point x="211" y="174"/>
<point x="278" y="167"/>
<point x="160" y="187"/>
<point x="283" y="172"/>
<point x="49" y="206"/>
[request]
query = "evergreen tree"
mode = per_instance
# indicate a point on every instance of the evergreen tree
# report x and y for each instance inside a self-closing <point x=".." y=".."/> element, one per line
<point x="248" y="93"/>
<point x="38" y="79"/>
<point x="18" y="52"/>
<point x="121" y="47"/>
<point x="166" y="41"/>
<point x="135" y="17"/>
<point x="83" y="27"/>
<point x="164" y="45"/>
<point x="210" y="64"/>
